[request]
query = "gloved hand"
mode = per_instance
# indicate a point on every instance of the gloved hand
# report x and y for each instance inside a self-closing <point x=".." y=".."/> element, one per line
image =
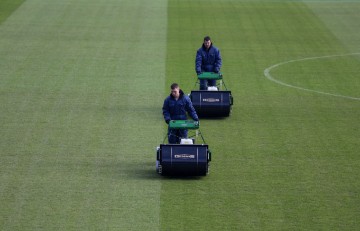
<point x="216" y="71"/>
<point x="198" y="73"/>
<point x="167" y="121"/>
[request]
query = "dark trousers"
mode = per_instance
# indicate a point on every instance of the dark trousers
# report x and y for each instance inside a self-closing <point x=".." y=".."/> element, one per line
<point x="204" y="83"/>
<point x="174" y="135"/>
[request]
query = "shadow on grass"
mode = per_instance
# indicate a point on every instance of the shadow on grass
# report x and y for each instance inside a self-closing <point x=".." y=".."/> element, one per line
<point x="148" y="171"/>
<point x="112" y="169"/>
<point x="213" y="118"/>
<point x="181" y="177"/>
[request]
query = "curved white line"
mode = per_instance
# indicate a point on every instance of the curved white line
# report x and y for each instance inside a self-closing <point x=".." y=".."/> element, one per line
<point x="267" y="75"/>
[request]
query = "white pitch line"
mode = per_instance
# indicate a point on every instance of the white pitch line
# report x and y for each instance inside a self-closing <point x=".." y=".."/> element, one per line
<point x="267" y="74"/>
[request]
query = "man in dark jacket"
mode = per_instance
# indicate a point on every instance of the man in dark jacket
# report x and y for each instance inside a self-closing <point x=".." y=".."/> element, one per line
<point x="208" y="59"/>
<point x="175" y="107"/>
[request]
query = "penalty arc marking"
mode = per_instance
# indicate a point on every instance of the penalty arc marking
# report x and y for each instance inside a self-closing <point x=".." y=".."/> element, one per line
<point x="268" y="75"/>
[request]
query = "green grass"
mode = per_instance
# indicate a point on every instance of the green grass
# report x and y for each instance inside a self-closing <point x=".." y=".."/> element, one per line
<point x="286" y="159"/>
<point x="82" y="85"/>
<point x="76" y="151"/>
<point x="7" y="7"/>
<point x="336" y="75"/>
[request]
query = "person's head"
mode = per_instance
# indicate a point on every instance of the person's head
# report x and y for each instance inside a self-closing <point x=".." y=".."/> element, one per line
<point x="207" y="42"/>
<point x="175" y="90"/>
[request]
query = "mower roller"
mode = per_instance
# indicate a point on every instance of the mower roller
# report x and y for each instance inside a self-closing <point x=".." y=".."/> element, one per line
<point x="212" y="102"/>
<point x="186" y="158"/>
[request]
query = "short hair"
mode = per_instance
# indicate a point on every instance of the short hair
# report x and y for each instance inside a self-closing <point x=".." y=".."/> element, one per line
<point x="207" y="38"/>
<point x="174" y="85"/>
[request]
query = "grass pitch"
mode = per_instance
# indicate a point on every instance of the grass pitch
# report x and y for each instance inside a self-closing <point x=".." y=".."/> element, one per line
<point x="83" y="82"/>
<point x="286" y="158"/>
<point x="80" y="98"/>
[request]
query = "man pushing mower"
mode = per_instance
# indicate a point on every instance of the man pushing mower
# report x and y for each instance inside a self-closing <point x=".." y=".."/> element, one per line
<point x="176" y="106"/>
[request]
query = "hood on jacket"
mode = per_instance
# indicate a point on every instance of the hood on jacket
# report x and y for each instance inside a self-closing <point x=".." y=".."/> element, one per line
<point x="181" y="94"/>
<point x="203" y="46"/>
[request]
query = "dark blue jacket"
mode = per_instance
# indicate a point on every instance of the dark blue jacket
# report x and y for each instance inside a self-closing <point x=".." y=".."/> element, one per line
<point x="208" y="60"/>
<point x="176" y="109"/>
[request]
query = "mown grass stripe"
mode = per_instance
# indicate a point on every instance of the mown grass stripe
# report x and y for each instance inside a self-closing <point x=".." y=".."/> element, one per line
<point x="284" y="159"/>
<point x="7" y="7"/>
<point x="78" y="78"/>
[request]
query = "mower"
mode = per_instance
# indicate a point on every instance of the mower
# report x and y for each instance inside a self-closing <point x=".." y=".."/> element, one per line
<point x="213" y="102"/>
<point x="185" y="158"/>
